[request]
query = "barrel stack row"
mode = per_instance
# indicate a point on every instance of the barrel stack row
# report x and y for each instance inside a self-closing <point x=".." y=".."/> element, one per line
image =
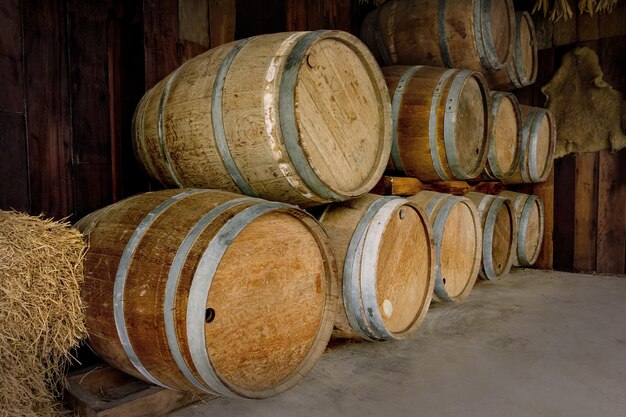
<point x="225" y="285"/>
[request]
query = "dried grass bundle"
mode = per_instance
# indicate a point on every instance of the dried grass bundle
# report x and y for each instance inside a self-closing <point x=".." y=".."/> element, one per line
<point x="41" y="314"/>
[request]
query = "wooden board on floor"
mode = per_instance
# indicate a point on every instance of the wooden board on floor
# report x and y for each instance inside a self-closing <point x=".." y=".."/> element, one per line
<point x="101" y="391"/>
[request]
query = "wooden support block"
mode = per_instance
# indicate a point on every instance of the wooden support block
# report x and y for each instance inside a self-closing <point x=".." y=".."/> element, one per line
<point x="545" y="191"/>
<point x="102" y="391"/>
<point x="389" y="185"/>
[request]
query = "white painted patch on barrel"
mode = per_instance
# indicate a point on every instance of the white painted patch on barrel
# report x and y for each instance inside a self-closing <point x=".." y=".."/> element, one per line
<point x="269" y="113"/>
<point x="387" y="308"/>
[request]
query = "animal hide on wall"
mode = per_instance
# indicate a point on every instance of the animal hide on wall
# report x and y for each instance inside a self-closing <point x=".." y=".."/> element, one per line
<point x="589" y="113"/>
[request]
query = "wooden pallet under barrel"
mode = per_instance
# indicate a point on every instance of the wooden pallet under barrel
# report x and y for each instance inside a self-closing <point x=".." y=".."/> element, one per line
<point x="103" y="391"/>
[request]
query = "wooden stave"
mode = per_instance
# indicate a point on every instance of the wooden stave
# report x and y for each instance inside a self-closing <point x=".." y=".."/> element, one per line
<point x="428" y="141"/>
<point x="434" y="204"/>
<point x="223" y="387"/>
<point x="488" y="207"/>
<point x="481" y="42"/>
<point x="293" y="188"/>
<point x="523" y="206"/>
<point x="352" y="321"/>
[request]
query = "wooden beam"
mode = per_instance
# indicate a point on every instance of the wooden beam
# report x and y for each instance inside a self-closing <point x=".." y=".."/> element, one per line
<point x="611" y="229"/>
<point x="585" y="212"/>
<point x="48" y="118"/>
<point x="222" y="21"/>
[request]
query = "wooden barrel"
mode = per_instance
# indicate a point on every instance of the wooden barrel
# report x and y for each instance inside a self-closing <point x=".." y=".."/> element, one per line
<point x="441" y="122"/>
<point x="191" y="290"/>
<point x="521" y="68"/>
<point x="537" y="146"/>
<point x="295" y="117"/>
<point x="503" y="157"/>
<point x="530" y="220"/>
<point x="458" y="242"/>
<point x="386" y="259"/>
<point x="499" y="225"/>
<point x="476" y="34"/>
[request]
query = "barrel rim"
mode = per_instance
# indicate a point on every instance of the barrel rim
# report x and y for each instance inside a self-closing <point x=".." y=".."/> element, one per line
<point x="492" y="167"/>
<point x="327" y="319"/>
<point x="449" y="121"/>
<point x="534" y="128"/>
<point x="522" y="256"/>
<point x="444" y="203"/>
<point x="522" y="77"/>
<point x="483" y="35"/>
<point x="495" y="205"/>
<point x="301" y="161"/>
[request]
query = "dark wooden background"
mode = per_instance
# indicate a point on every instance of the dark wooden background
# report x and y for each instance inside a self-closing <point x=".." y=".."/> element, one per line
<point x="72" y="72"/>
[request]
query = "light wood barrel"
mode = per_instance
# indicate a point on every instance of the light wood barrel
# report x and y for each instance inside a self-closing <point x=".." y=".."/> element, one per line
<point x="298" y="117"/>
<point x="458" y="242"/>
<point x="208" y="291"/>
<point x="521" y="68"/>
<point x="441" y="122"/>
<point x="386" y="259"/>
<point x="537" y="146"/>
<point x="530" y="220"/>
<point x="476" y="34"/>
<point x="499" y="225"/>
<point x="503" y="157"/>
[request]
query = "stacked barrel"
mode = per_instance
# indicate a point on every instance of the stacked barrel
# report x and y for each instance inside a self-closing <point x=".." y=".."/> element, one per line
<point x="224" y="284"/>
<point x="440" y="60"/>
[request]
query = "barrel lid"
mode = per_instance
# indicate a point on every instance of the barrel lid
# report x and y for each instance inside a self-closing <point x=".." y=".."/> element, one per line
<point x="269" y="306"/>
<point x="460" y="249"/>
<point x="472" y="122"/>
<point x="405" y="269"/>
<point x="506" y="133"/>
<point x="342" y="113"/>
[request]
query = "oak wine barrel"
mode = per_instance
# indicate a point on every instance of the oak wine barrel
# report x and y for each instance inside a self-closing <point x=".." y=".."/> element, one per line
<point x="499" y="225"/>
<point x="521" y="68"/>
<point x="458" y="242"/>
<point x="536" y="148"/>
<point x="530" y="220"/>
<point x="473" y="34"/>
<point x="503" y="157"/>
<point x="441" y="122"/>
<point x="386" y="260"/>
<point x="191" y="290"/>
<point x="299" y="117"/>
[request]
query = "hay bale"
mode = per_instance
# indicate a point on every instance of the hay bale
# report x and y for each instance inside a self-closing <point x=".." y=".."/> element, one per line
<point x="588" y="111"/>
<point x="41" y="314"/>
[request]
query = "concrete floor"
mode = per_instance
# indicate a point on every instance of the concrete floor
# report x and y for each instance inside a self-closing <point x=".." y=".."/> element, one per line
<point x="535" y="343"/>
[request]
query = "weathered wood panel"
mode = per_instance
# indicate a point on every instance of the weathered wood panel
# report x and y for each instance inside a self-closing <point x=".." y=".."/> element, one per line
<point x="563" y="234"/>
<point x="12" y="97"/>
<point x="611" y="225"/>
<point x="585" y="211"/>
<point x="48" y="120"/>
<point x="14" y="192"/>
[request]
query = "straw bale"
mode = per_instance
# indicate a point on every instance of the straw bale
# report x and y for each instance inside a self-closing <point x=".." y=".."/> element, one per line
<point x="41" y="314"/>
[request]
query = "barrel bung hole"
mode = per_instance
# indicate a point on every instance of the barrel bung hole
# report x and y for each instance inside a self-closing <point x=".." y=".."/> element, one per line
<point x="444" y="281"/>
<point x="401" y="214"/>
<point x="209" y="315"/>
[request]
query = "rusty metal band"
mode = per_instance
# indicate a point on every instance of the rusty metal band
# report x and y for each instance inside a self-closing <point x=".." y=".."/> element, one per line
<point x="161" y="128"/>
<point x="287" y="115"/>
<point x="201" y="285"/>
<point x="173" y="279"/>
<point x="122" y="274"/>
<point x="217" y="116"/>
<point x="433" y="117"/>
<point x="396" y="102"/>
<point x="449" y="124"/>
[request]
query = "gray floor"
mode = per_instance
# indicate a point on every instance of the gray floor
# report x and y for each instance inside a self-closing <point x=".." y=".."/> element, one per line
<point x="535" y="343"/>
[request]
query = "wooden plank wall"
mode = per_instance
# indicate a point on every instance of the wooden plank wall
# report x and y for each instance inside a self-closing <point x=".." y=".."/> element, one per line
<point x="591" y="189"/>
<point x="73" y="71"/>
